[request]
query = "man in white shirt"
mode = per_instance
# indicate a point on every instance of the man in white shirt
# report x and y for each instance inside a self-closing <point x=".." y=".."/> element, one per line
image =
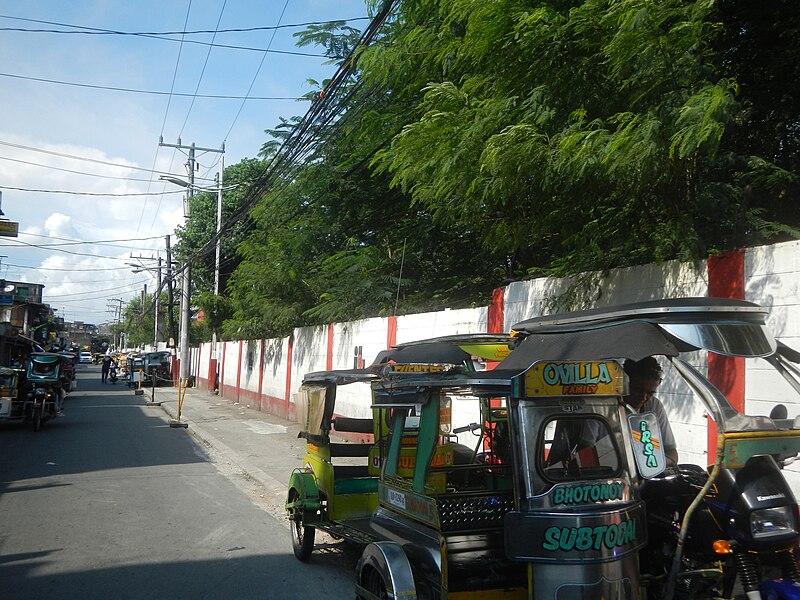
<point x="644" y="377"/>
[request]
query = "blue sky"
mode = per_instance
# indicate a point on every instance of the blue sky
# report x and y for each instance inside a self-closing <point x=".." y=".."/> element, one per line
<point x="69" y="136"/>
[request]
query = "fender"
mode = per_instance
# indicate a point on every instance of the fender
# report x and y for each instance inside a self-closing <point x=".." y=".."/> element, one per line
<point x="390" y="560"/>
<point x="306" y="486"/>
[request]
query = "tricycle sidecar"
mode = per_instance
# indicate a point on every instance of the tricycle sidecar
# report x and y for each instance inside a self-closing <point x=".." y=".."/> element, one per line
<point x="12" y="394"/>
<point x="337" y="489"/>
<point x="558" y="517"/>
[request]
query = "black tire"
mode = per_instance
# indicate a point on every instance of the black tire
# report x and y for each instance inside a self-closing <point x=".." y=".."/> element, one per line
<point x="37" y="419"/>
<point x="374" y="584"/>
<point x="302" y="535"/>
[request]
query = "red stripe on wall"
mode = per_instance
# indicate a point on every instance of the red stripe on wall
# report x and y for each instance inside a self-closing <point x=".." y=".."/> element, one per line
<point x="391" y="332"/>
<point x="496" y="316"/>
<point x="726" y="275"/>
<point x="222" y="372"/>
<point x="289" y="352"/>
<point x="726" y="280"/>
<point x="329" y="352"/>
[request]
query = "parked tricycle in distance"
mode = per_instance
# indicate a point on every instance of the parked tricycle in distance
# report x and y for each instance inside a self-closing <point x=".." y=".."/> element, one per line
<point x="12" y="394"/>
<point x="565" y="492"/>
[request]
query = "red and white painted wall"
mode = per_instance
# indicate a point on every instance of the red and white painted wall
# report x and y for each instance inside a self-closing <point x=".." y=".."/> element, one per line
<point x="265" y="374"/>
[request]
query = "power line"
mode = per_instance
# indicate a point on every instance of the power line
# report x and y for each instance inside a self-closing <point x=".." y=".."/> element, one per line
<point x="82" y="158"/>
<point x="98" y="31"/>
<point x="150" y="92"/>
<point x="36" y="268"/>
<point x="35" y="164"/>
<point x="73" y="193"/>
<point x="297" y="145"/>
<point x="72" y="252"/>
<point x="203" y="70"/>
<point x="132" y="286"/>
<point x="71" y="242"/>
<point x="258" y="70"/>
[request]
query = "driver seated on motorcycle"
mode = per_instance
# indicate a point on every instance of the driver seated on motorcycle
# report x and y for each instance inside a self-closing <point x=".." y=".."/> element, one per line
<point x="644" y="377"/>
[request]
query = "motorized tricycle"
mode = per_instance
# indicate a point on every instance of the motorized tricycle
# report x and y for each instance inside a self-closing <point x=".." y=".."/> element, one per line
<point x="69" y="360"/>
<point x="12" y="394"/>
<point x="134" y="370"/>
<point x="157" y="367"/>
<point x="45" y="392"/>
<point x="337" y="490"/>
<point x="539" y="513"/>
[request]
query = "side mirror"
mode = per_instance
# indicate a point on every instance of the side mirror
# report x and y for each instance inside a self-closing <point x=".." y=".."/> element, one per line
<point x="648" y="447"/>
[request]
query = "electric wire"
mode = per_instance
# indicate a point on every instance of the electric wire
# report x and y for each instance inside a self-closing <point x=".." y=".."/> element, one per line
<point x="127" y="90"/>
<point x="70" y="241"/>
<point x="203" y="70"/>
<point x="301" y="138"/>
<point x="62" y="250"/>
<point x="38" y="268"/>
<point x="163" y="125"/>
<point x="83" y="29"/>
<point x="258" y="70"/>
<point x="101" y="194"/>
<point x="81" y="158"/>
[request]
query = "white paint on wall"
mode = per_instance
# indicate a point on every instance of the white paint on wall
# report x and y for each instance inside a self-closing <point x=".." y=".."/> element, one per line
<point x="772" y="279"/>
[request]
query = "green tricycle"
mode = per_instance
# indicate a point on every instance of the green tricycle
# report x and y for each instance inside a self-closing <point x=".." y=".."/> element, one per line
<point x="565" y="491"/>
<point x="46" y="391"/>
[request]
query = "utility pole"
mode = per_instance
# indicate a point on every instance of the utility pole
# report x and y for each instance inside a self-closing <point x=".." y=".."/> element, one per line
<point x="186" y="275"/>
<point x="170" y="299"/>
<point x="117" y="308"/>
<point x="155" y="306"/>
<point x="156" y="293"/>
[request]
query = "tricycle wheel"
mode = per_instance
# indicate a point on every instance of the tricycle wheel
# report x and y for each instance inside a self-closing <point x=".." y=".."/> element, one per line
<point x="37" y="419"/>
<point x="302" y="535"/>
<point x="374" y="584"/>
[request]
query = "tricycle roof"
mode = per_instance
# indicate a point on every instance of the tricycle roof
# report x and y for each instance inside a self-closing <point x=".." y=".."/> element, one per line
<point x="45" y="357"/>
<point x="662" y="327"/>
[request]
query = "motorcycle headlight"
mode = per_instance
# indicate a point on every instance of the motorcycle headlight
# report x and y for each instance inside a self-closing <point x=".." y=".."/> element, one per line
<point x="770" y="522"/>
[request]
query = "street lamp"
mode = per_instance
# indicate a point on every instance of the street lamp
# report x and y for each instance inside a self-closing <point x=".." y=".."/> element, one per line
<point x="219" y="189"/>
<point x="191" y="188"/>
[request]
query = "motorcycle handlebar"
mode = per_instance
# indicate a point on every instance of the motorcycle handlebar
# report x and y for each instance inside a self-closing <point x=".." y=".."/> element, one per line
<point x="471" y="427"/>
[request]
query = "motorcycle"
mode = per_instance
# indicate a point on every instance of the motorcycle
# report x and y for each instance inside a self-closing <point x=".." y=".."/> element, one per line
<point x="112" y="374"/>
<point x="740" y="537"/>
<point x="46" y="393"/>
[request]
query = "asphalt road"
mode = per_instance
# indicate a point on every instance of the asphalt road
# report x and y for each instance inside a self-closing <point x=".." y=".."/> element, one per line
<point x="110" y="502"/>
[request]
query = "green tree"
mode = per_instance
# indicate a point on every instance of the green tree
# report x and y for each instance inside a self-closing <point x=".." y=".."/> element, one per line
<point x="575" y="136"/>
<point x="200" y="228"/>
<point x="480" y="142"/>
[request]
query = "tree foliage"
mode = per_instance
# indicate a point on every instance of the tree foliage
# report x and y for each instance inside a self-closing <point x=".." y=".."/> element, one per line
<point x="480" y="142"/>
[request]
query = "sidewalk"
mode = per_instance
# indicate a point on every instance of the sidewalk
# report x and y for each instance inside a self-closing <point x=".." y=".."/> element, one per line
<point x="258" y="446"/>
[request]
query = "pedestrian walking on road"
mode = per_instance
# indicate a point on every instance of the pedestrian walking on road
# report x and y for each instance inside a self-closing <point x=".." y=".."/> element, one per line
<point x="106" y="367"/>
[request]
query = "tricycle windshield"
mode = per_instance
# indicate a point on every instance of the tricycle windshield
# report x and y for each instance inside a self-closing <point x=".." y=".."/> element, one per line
<point x="578" y="446"/>
<point x="728" y="339"/>
<point x="44" y="369"/>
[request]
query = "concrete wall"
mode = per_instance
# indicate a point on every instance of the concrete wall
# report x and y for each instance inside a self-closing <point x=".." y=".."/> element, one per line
<point x="267" y="373"/>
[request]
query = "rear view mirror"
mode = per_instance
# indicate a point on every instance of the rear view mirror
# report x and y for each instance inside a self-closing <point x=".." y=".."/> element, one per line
<point x="648" y="448"/>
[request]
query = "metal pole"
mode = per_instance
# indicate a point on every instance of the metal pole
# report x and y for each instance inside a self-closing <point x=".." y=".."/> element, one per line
<point x="155" y="307"/>
<point x="217" y="253"/>
<point x="170" y="299"/>
<point x="219" y="224"/>
<point x="186" y="284"/>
